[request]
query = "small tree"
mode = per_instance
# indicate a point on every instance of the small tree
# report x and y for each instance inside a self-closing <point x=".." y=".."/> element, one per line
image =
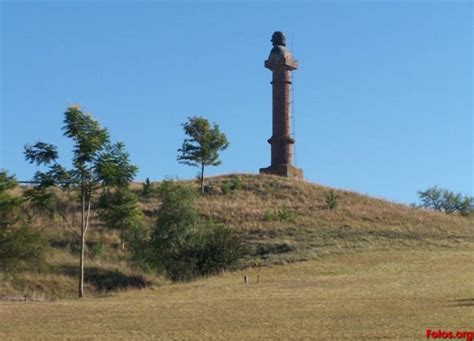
<point x="202" y="147"/>
<point x="120" y="211"/>
<point x="440" y="199"/>
<point x="331" y="199"/>
<point x="96" y="163"/>
<point x="147" y="188"/>
<point x="177" y="217"/>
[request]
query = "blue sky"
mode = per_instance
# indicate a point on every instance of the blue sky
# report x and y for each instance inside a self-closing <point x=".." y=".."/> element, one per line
<point x="383" y="94"/>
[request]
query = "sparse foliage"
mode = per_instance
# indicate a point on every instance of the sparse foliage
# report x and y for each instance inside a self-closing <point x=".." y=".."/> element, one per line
<point x="96" y="163"/>
<point x="443" y="200"/>
<point x="202" y="146"/>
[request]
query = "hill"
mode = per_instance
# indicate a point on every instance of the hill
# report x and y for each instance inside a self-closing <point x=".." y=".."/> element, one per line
<point x="283" y="221"/>
<point x="288" y="220"/>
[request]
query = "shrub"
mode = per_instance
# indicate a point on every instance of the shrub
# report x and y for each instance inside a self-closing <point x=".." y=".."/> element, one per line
<point x="231" y="185"/>
<point x="236" y="183"/>
<point x="283" y="214"/>
<point x="331" y="199"/>
<point x="21" y="248"/>
<point x="96" y="248"/>
<point x="209" y="250"/>
<point x="226" y="187"/>
<point x="217" y="249"/>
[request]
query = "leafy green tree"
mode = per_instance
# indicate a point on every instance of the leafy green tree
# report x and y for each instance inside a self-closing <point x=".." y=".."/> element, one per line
<point x="440" y="199"/>
<point x="177" y="217"/>
<point x="120" y="211"/>
<point x="96" y="163"/>
<point x="19" y="245"/>
<point x="202" y="146"/>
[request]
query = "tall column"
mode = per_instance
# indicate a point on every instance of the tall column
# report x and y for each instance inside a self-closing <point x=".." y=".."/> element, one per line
<point x="281" y="63"/>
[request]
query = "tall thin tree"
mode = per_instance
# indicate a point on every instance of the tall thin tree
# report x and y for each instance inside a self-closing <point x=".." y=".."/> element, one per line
<point x="96" y="163"/>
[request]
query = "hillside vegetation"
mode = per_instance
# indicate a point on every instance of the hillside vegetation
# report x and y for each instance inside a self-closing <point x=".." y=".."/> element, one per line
<point x="282" y="220"/>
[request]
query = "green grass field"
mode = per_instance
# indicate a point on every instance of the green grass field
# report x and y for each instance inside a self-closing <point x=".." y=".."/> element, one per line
<point x="369" y="295"/>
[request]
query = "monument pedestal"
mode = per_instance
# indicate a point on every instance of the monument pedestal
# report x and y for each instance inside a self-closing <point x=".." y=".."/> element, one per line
<point x="285" y="170"/>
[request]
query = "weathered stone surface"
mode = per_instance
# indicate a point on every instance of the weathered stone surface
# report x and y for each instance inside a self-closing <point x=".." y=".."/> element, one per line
<point x="281" y="63"/>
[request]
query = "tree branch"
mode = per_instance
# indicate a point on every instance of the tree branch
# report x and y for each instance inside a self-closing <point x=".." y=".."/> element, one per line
<point x="88" y="213"/>
<point x="68" y="223"/>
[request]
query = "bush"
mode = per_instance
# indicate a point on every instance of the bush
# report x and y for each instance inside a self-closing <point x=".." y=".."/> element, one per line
<point x="21" y="248"/>
<point x="283" y="214"/>
<point x="226" y="187"/>
<point x="96" y="248"/>
<point x="210" y="250"/>
<point x="231" y="185"/>
<point x="331" y="200"/>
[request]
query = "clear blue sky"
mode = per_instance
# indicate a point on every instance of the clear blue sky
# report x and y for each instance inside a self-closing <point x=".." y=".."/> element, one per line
<point x="383" y="95"/>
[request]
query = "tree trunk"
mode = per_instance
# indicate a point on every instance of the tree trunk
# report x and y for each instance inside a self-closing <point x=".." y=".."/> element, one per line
<point x="122" y="239"/>
<point x="81" y="264"/>
<point x="83" y="242"/>
<point x="202" y="178"/>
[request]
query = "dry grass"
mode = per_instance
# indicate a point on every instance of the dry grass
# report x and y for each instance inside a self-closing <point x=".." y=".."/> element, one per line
<point x="287" y="220"/>
<point x="370" y="295"/>
<point x="282" y="220"/>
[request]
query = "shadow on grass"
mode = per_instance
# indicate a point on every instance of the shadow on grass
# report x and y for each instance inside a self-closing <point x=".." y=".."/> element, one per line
<point x="465" y="302"/>
<point x="105" y="280"/>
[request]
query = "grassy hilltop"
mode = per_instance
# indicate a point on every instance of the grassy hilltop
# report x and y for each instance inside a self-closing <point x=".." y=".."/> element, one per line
<point x="288" y="220"/>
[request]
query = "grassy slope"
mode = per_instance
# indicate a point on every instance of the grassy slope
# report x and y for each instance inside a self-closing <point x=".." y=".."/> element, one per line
<point x="309" y="230"/>
<point x="284" y="221"/>
<point x="369" y="295"/>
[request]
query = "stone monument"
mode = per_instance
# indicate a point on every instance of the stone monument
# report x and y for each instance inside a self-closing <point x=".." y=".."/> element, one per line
<point x="281" y="63"/>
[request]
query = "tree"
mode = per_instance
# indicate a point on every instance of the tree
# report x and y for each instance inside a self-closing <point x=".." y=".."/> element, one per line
<point x="440" y="199"/>
<point x="432" y="198"/>
<point x="120" y="211"/>
<point x="96" y="163"/>
<point x="177" y="217"/>
<point x="18" y="244"/>
<point x="202" y="147"/>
